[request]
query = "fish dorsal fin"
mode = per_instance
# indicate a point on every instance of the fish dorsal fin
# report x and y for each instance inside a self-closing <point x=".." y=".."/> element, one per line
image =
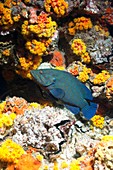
<point x="57" y="93"/>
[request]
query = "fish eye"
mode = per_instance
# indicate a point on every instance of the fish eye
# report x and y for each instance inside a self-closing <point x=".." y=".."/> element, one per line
<point x="41" y="72"/>
<point x="54" y="79"/>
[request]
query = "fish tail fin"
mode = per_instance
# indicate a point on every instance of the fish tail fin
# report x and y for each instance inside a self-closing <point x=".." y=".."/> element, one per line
<point x="89" y="110"/>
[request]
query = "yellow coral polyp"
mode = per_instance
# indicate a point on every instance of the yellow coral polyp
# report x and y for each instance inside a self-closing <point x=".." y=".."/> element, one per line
<point x="78" y="47"/>
<point x="27" y="1"/>
<point x="84" y="74"/>
<point x="5" y="15"/>
<point x="107" y="138"/>
<point x="6" y="18"/>
<point x="75" y="164"/>
<point x="12" y="116"/>
<point x="71" y="24"/>
<point x="35" y="105"/>
<point x="55" y="167"/>
<point x="45" y="27"/>
<point x="6" y="52"/>
<point x="16" y="18"/>
<point x="82" y="23"/>
<point x="40" y="157"/>
<point x="1" y="124"/>
<point x="72" y="31"/>
<point x="2" y="106"/>
<point x="10" y="151"/>
<point x="101" y="77"/>
<point x="98" y="121"/>
<point x="46" y="167"/>
<point x="36" y="47"/>
<point x="8" y="3"/>
<point x="28" y="64"/>
<point x="7" y="120"/>
<point x="102" y="31"/>
<point x="64" y="165"/>
<point x="71" y="28"/>
<point x="58" y="6"/>
<point x="47" y="42"/>
<point x="25" y="30"/>
<point x="85" y="57"/>
<point x="109" y="87"/>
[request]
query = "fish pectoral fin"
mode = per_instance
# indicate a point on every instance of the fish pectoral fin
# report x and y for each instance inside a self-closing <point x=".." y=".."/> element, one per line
<point x="89" y="110"/>
<point x="73" y="109"/>
<point x="57" y="92"/>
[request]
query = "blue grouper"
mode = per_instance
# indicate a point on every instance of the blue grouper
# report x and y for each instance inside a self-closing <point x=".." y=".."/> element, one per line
<point x="65" y="87"/>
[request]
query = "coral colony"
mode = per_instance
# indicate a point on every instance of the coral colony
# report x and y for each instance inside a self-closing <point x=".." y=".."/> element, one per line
<point x="37" y="130"/>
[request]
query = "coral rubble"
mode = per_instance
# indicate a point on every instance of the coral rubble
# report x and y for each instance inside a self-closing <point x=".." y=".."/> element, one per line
<point x="52" y="137"/>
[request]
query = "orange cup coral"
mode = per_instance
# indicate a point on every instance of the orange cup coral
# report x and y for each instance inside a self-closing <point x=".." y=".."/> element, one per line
<point x="85" y="57"/>
<point x="109" y="87"/>
<point x="5" y="15"/>
<point x="78" y="46"/>
<point x="101" y="77"/>
<point x="81" y="23"/>
<point x="58" y="6"/>
<point x="44" y="26"/>
<point x="36" y="47"/>
<point x="98" y="121"/>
